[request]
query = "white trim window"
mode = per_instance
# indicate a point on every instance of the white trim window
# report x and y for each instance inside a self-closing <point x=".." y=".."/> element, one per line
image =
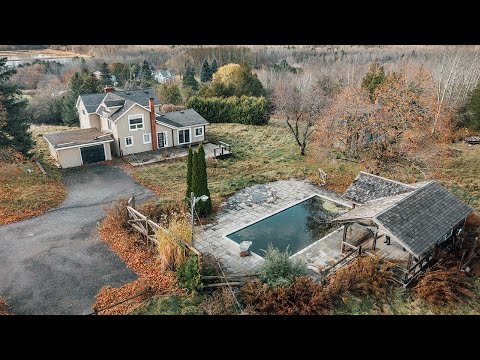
<point x="198" y="131"/>
<point x="128" y="141"/>
<point x="83" y="111"/>
<point x="184" y="136"/>
<point x="109" y="124"/>
<point x="136" y="122"/>
<point x="147" y="138"/>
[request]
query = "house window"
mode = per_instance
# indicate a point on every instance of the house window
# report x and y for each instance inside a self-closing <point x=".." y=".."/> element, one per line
<point x="109" y="124"/>
<point x="83" y="111"/>
<point x="104" y="114"/>
<point x="135" y="122"/>
<point x="147" y="138"/>
<point x="129" y="141"/>
<point x="183" y="136"/>
<point x="198" y="131"/>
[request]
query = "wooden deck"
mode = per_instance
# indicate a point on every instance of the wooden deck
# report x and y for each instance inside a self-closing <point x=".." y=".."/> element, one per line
<point x="216" y="151"/>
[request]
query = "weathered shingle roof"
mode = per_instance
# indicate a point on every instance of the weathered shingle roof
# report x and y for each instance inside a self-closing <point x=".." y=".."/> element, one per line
<point x="368" y="187"/>
<point x="120" y="111"/>
<point x="91" y="101"/>
<point x="138" y="96"/>
<point x="370" y="209"/>
<point x="116" y="98"/>
<point x="422" y="218"/>
<point x="182" y="118"/>
<point x="76" y="137"/>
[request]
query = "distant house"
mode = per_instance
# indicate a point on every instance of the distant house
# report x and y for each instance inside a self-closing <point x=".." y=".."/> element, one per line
<point x="163" y="76"/>
<point x="407" y="223"/>
<point x="113" y="78"/>
<point x="123" y="123"/>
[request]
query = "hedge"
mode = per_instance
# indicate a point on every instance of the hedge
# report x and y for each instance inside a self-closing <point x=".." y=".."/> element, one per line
<point x="249" y="110"/>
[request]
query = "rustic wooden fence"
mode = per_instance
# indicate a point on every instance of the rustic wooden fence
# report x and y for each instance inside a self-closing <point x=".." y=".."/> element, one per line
<point x="149" y="229"/>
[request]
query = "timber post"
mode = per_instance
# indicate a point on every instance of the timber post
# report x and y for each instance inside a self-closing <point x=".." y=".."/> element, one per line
<point x="375" y="236"/>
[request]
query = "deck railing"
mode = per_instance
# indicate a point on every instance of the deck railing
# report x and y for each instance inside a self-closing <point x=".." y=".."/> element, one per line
<point x="222" y="149"/>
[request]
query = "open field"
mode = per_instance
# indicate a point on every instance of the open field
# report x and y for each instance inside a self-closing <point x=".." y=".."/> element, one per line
<point x="260" y="154"/>
<point x="40" y="54"/>
<point x="24" y="194"/>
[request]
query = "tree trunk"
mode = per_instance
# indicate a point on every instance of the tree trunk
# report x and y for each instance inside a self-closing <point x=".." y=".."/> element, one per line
<point x="302" y="150"/>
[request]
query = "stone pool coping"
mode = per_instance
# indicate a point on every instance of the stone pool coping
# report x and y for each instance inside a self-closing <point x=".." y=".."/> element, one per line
<point x="248" y="206"/>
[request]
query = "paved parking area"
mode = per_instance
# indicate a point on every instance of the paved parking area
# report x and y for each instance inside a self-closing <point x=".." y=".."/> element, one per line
<point x="56" y="263"/>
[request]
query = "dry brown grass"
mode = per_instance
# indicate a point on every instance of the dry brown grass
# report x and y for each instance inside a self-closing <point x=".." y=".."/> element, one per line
<point x="3" y="307"/>
<point x="364" y="276"/>
<point x="443" y="286"/>
<point x="171" y="244"/>
<point x="24" y="191"/>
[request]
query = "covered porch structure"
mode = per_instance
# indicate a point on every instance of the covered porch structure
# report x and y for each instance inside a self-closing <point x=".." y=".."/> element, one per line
<point x="404" y="230"/>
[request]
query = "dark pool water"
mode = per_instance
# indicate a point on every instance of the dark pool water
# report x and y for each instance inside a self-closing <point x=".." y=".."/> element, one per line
<point x="295" y="227"/>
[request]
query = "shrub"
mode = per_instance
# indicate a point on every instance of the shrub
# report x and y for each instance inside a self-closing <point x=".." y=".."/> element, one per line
<point x="278" y="269"/>
<point x="222" y="302"/>
<point x="441" y="286"/>
<point x="249" y="110"/>
<point x="188" y="274"/>
<point x="118" y="214"/>
<point x="166" y="108"/>
<point x="365" y="276"/>
<point x="303" y="297"/>
<point x="171" y="244"/>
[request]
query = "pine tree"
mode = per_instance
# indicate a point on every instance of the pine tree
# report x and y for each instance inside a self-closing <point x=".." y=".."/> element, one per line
<point x="200" y="182"/>
<point x="14" y="129"/>
<point x="80" y="83"/>
<point x="374" y="77"/>
<point x="213" y="67"/>
<point x="189" y="173"/>
<point x="105" y="78"/>
<point x="206" y="74"/>
<point x="146" y="71"/>
<point x="189" y="79"/>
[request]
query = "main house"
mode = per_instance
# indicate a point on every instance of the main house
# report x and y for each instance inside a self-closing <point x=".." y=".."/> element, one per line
<point x="123" y="123"/>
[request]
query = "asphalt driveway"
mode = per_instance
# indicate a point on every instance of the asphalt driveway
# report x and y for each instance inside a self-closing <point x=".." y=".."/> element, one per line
<point x="56" y="263"/>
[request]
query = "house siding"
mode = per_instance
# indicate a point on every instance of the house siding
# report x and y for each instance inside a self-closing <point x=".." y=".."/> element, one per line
<point x="84" y="119"/>
<point x="69" y="157"/>
<point x="193" y="138"/>
<point x="122" y="130"/>
<point x="94" y="121"/>
<point x="72" y="157"/>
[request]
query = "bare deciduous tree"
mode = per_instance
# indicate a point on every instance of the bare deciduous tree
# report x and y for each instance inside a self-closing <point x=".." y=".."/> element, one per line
<point x="300" y="99"/>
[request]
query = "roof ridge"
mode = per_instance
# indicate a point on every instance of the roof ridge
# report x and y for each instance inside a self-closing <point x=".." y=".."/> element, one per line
<point x="383" y="178"/>
<point x="405" y="198"/>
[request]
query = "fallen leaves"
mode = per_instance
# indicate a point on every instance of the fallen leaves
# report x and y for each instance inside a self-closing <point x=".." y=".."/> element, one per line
<point x="140" y="259"/>
<point x="3" y="307"/>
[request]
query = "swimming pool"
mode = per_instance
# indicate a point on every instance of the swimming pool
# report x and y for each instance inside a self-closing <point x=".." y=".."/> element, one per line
<point x="295" y="227"/>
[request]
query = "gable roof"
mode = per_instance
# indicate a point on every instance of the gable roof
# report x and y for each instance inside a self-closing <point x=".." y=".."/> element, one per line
<point x="182" y="118"/>
<point x="118" y="98"/>
<point x="73" y="138"/>
<point x="367" y="187"/>
<point x="370" y="209"/>
<point x="91" y="101"/>
<point x="421" y="219"/>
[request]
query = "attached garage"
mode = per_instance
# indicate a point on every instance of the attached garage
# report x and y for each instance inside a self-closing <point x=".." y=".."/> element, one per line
<point x="79" y="147"/>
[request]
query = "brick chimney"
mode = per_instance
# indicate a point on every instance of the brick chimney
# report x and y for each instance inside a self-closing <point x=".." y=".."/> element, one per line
<point x="108" y="89"/>
<point x="153" y="124"/>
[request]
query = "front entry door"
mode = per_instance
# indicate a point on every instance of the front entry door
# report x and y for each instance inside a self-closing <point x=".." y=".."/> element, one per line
<point x="162" y="139"/>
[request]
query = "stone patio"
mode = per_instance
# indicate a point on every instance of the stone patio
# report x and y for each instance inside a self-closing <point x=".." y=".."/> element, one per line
<point x="150" y="157"/>
<point x="247" y="206"/>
